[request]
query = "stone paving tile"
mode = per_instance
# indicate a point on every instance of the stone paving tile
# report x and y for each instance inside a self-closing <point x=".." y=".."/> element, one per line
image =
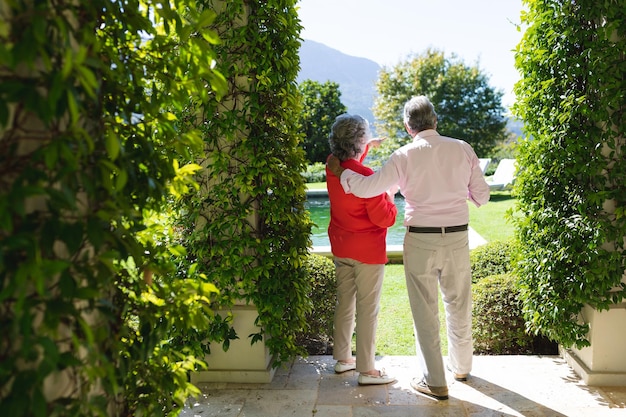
<point x="405" y="411"/>
<point x="617" y="395"/>
<point x="343" y="389"/>
<point x="503" y="386"/>
<point x="252" y="403"/>
<point x="528" y="386"/>
<point x="214" y="403"/>
<point x="332" y="411"/>
<point x="280" y="403"/>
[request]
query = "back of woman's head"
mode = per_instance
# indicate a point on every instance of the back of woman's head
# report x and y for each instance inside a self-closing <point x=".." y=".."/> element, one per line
<point x="348" y="136"/>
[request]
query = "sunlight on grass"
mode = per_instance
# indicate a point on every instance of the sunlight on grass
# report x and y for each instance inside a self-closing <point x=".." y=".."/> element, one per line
<point x="394" y="335"/>
<point x="316" y="185"/>
<point x="489" y="220"/>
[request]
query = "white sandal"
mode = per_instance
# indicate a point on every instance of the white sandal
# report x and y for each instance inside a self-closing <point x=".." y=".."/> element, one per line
<point x="380" y="379"/>
<point x="341" y="367"/>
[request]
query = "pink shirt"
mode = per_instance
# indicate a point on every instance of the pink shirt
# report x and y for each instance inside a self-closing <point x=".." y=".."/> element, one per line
<point x="436" y="176"/>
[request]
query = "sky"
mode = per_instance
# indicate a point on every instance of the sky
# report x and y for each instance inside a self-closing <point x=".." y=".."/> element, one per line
<point x="483" y="32"/>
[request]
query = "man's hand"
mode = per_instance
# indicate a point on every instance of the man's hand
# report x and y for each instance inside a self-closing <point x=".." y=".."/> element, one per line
<point x="334" y="165"/>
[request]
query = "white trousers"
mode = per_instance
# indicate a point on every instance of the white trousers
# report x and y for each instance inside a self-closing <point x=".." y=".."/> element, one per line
<point x="432" y="260"/>
<point x="358" y="292"/>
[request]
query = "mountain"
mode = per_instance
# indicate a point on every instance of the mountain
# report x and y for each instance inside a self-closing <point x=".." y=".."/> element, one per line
<point x="356" y="76"/>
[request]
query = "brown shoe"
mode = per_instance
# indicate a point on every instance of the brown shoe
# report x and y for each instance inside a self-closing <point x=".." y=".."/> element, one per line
<point x="458" y="377"/>
<point x="440" y="393"/>
<point x="461" y="377"/>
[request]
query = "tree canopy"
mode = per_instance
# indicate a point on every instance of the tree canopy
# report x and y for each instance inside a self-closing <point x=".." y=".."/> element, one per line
<point x="321" y="105"/>
<point x="467" y="106"/>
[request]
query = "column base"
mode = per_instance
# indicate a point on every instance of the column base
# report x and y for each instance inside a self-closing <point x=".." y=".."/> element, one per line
<point x="242" y="362"/>
<point x="244" y="376"/>
<point x="603" y="363"/>
<point x="589" y="377"/>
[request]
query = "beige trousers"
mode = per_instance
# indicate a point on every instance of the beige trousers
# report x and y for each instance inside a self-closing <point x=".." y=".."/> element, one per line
<point x="433" y="260"/>
<point x="358" y="292"/>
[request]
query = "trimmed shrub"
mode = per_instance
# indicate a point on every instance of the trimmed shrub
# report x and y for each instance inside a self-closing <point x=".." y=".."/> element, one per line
<point x="498" y="326"/>
<point x="315" y="173"/>
<point x="492" y="258"/>
<point x="317" y="337"/>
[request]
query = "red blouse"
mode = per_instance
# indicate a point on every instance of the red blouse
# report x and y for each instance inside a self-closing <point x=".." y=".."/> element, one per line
<point x="358" y="226"/>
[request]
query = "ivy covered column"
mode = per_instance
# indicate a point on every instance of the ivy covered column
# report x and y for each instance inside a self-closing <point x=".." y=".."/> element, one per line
<point x="227" y="215"/>
<point x="88" y="158"/>
<point x="247" y="227"/>
<point x="571" y="226"/>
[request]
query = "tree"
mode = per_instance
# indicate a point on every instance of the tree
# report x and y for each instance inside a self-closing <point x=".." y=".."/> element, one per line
<point x="467" y="106"/>
<point x="321" y="105"/>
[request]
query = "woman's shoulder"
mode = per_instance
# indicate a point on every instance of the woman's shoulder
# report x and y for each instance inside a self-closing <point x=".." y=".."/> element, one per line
<point x="358" y="167"/>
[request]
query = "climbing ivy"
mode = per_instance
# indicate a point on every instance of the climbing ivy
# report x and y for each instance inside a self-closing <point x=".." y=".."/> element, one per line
<point x="247" y="227"/>
<point x="90" y="296"/>
<point x="571" y="211"/>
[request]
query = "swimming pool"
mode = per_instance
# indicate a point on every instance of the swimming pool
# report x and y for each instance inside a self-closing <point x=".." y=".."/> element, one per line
<point x="319" y="209"/>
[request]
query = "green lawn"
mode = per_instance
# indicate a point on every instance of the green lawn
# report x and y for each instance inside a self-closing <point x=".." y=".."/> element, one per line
<point x="490" y="220"/>
<point x="316" y="185"/>
<point x="394" y="335"/>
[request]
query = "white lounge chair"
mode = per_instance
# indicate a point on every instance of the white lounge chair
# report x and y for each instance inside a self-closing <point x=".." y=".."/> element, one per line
<point x="504" y="176"/>
<point x="484" y="163"/>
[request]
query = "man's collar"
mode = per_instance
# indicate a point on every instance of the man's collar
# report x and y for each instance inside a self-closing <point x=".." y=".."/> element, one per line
<point x="426" y="134"/>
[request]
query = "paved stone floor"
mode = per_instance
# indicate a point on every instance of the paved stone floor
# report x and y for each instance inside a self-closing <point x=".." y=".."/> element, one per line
<point x="530" y="386"/>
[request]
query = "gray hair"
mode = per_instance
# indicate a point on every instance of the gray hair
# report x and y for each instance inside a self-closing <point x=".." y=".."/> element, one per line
<point x="419" y="114"/>
<point x="348" y="136"/>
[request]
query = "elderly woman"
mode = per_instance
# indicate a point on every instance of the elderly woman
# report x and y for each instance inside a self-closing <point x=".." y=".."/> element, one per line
<point x="357" y="232"/>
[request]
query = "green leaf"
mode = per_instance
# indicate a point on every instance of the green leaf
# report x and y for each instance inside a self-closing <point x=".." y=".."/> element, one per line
<point x="112" y="145"/>
<point x="72" y="107"/>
